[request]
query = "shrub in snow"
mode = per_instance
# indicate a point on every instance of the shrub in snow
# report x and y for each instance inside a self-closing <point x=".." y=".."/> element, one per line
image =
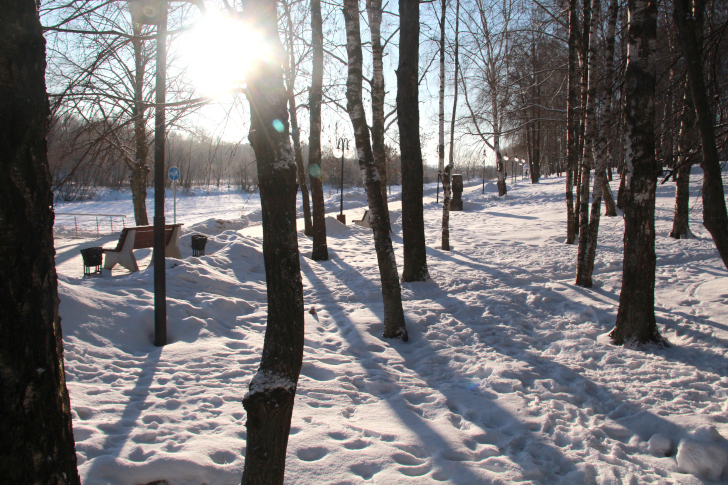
<point x="701" y="458"/>
<point x="660" y="445"/>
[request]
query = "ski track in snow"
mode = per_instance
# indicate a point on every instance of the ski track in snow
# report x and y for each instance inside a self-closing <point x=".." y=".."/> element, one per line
<point x="507" y="377"/>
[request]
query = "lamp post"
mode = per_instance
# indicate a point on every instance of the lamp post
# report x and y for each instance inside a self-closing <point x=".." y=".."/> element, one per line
<point x="484" y="154"/>
<point x="342" y="145"/>
<point x="154" y="12"/>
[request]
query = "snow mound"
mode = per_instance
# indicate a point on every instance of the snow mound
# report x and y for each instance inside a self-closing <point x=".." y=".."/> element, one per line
<point x="660" y="445"/>
<point x="335" y="228"/>
<point x="702" y="458"/>
<point x="216" y="226"/>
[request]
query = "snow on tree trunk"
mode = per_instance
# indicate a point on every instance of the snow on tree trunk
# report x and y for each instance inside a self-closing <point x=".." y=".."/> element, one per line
<point x="269" y="401"/>
<point x="689" y="22"/>
<point x="636" y="314"/>
<point x="37" y="436"/>
<point x="408" y="119"/>
<point x="320" y="247"/>
<point x="394" y="323"/>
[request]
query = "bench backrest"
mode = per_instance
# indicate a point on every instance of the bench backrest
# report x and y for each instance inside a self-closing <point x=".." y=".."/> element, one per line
<point x="145" y="236"/>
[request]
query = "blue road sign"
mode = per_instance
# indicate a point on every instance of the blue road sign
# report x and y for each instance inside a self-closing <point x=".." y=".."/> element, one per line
<point x="173" y="173"/>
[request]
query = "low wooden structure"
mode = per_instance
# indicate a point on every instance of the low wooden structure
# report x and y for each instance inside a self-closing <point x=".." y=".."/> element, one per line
<point x="140" y="237"/>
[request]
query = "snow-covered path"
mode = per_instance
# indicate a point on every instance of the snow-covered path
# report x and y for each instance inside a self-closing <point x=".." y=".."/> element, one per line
<point x="506" y="378"/>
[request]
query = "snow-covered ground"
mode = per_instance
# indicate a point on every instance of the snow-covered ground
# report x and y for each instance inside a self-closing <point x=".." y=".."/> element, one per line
<point x="505" y="378"/>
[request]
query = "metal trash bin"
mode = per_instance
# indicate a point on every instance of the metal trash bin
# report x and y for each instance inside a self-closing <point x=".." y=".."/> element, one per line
<point x="92" y="257"/>
<point x="198" y="245"/>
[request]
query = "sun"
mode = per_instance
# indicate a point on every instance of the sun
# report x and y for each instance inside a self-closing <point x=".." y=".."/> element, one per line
<point x="220" y="51"/>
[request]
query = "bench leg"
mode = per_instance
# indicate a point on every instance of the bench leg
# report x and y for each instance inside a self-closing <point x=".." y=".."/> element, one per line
<point x="172" y="249"/>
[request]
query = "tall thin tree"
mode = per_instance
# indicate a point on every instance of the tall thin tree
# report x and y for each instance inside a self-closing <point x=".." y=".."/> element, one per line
<point x="408" y="118"/>
<point x="320" y="247"/>
<point x="689" y="15"/>
<point x="394" y="323"/>
<point x="447" y="175"/>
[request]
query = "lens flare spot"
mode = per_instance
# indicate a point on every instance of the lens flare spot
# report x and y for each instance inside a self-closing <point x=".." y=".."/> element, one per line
<point x="278" y="125"/>
<point x="314" y="170"/>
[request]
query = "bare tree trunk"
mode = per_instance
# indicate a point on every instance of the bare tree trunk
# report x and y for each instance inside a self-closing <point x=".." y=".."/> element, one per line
<point x="689" y="23"/>
<point x="681" y="221"/>
<point x="606" y="141"/>
<point x="572" y="129"/>
<point x="441" y="113"/>
<point x="320" y="247"/>
<point x="295" y="133"/>
<point x="447" y="173"/>
<point x="374" y="9"/>
<point x="636" y="314"/>
<point x="138" y="167"/>
<point x="269" y="401"/>
<point x="408" y="119"/>
<point x="583" y="275"/>
<point x="394" y="323"/>
<point x="37" y="435"/>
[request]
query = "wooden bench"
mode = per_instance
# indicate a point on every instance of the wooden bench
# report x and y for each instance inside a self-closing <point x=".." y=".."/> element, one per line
<point x="364" y="221"/>
<point x="140" y="237"/>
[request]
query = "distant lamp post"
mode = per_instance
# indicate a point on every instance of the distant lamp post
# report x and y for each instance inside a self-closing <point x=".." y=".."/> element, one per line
<point x="485" y="152"/>
<point x="342" y="145"/>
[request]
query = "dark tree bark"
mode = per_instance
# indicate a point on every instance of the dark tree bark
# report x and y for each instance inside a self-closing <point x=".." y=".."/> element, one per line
<point x="394" y="323"/>
<point x="269" y="401"/>
<point x="636" y="314"/>
<point x="408" y="118"/>
<point x="689" y="20"/>
<point x="447" y="172"/>
<point x="681" y="220"/>
<point x="320" y="247"/>
<point x="37" y="436"/>
<point x="139" y="167"/>
<point x="572" y="130"/>
<point x="583" y="274"/>
<point x="374" y="9"/>
<point x="295" y="132"/>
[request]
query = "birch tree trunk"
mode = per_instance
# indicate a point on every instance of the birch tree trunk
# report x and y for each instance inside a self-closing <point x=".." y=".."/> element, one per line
<point x="606" y="141"/>
<point x="689" y="23"/>
<point x="583" y="276"/>
<point x="441" y="114"/>
<point x="374" y="9"/>
<point x="394" y="323"/>
<point x="320" y="246"/>
<point x="408" y="119"/>
<point x="636" y="314"/>
<point x="269" y="401"/>
<point x="37" y="435"/>
<point x="447" y="172"/>
<point x="681" y="220"/>
<point x="295" y="132"/>
<point x="572" y="130"/>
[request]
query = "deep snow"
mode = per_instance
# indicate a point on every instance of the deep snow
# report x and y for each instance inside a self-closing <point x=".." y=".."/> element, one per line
<point x="507" y="377"/>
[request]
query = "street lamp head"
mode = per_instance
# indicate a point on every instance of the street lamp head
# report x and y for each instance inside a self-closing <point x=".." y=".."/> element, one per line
<point x="338" y="152"/>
